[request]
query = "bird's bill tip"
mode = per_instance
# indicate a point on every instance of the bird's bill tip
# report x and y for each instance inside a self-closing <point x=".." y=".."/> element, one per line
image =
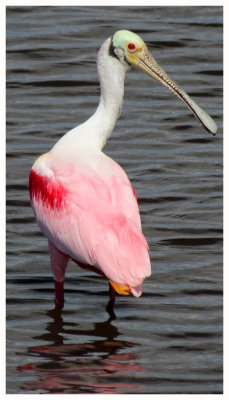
<point x="145" y="62"/>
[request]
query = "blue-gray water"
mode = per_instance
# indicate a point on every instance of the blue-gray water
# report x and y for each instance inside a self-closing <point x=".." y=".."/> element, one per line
<point x="169" y="340"/>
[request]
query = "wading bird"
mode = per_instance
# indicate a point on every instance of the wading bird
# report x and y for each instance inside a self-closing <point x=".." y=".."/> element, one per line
<point x="83" y="201"/>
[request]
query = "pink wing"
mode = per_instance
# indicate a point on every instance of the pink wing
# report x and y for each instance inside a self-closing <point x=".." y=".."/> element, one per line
<point x="92" y="215"/>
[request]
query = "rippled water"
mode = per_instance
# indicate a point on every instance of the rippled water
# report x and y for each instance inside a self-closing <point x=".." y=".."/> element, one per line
<point x="170" y="339"/>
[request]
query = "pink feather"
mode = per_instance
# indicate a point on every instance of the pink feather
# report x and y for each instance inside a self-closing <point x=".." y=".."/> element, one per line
<point x="92" y="216"/>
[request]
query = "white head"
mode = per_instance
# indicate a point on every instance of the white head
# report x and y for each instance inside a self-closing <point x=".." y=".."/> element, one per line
<point x="125" y="50"/>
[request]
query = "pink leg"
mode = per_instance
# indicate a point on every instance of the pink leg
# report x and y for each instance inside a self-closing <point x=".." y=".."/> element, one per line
<point x="111" y="293"/>
<point x="111" y="302"/>
<point x="59" y="294"/>
<point x="110" y="305"/>
<point x="59" y="263"/>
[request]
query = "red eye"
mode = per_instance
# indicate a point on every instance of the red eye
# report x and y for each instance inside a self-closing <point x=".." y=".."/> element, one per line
<point x="131" y="46"/>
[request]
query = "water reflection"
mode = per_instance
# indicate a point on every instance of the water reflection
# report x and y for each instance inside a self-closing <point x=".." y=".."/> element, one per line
<point x="101" y="364"/>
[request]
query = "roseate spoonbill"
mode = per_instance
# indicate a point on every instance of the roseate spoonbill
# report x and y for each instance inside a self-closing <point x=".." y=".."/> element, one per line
<point x="82" y="199"/>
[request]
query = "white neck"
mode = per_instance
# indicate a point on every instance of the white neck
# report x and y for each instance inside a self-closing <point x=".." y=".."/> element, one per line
<point x="102" y="122"/>
<point x="97" y="129"/>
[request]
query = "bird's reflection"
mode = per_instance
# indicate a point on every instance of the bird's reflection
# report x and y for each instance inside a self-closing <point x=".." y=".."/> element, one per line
<point x="94" y="362"/>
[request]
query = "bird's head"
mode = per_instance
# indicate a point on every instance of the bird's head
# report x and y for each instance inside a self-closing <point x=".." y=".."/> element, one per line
<point x="128" y="46"/>
<point x="131" y="50"/>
